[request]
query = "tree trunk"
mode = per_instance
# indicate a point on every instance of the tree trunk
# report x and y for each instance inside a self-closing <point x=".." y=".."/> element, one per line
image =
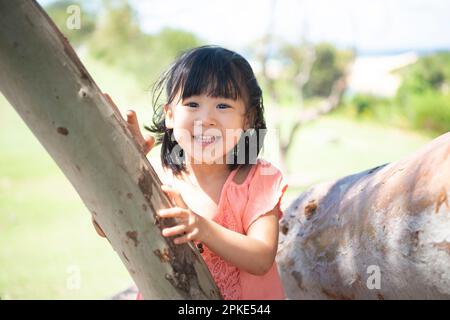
<point x="380" y="234"/>
<point x="43" y="79"/>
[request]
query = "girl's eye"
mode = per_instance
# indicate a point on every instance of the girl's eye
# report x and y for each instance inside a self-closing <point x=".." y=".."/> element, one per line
<point x="192" y="105"/>
<point x="223" y="106"/>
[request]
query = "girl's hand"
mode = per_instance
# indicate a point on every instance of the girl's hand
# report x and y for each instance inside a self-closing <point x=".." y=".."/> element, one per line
<point x="98" y="228"/>
<point x="190" y="224"/>
<point x="146" y="143"/>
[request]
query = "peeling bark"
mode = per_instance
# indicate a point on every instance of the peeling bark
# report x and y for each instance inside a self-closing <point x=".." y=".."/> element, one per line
<point x="43" y="79"/>
<point x="395" y="217"/>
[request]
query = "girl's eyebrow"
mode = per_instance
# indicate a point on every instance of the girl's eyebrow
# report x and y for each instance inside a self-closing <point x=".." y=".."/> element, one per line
<point x="230" y="100"/>
<point x="226" y="100"/>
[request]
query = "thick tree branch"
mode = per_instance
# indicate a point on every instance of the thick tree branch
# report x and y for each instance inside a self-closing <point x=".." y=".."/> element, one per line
<point x="394" y="219"/>
<point x="43" y="79"/>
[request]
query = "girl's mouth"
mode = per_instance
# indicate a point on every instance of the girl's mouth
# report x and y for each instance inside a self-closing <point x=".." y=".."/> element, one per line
<point x="205" y="140"/>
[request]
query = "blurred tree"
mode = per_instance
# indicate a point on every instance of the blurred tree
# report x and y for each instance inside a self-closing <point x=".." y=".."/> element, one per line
<point x="430" y="72"/>
<point x="429" y="111"/>
<point x="116" y="34"/>
<point x="58" y="11"/>
<point x="299" y="63"/>
<point x="308" y="70"/>
<point x="424" y="96"/>
<point x="119" y="41"/>
<point x="330" y="65"/>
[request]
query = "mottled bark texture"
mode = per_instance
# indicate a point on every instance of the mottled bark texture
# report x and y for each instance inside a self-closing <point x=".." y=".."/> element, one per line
<point x="43" y="79"/>
<point x="394" y="219"/>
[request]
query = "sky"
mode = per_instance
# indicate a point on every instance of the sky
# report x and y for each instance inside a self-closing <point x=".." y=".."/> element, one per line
<point x="371" y="26"/>
<point x="368" y="25"/>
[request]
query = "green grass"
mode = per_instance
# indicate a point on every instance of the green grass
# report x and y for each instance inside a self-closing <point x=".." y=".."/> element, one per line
<point x="45" y="231"/>
<point x="46" y="236"/>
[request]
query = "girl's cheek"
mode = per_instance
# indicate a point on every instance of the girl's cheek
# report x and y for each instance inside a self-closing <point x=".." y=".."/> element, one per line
<point x="182" y="136"/>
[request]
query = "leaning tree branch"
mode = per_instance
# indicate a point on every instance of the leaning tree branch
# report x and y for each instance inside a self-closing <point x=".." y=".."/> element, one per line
<point x="43" y="79"/>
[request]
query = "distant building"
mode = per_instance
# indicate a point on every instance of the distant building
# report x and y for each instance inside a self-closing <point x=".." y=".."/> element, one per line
<point x="376" y="74"/>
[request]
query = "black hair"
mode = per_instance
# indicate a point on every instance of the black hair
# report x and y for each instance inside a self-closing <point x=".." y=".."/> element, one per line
<point x="216" y="72"/>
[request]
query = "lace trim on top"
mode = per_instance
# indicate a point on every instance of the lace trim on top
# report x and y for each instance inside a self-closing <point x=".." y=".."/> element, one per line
<point x="225" y="275"/>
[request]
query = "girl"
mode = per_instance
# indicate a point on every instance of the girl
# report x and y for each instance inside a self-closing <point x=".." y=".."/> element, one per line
<point x="227" y="201"/>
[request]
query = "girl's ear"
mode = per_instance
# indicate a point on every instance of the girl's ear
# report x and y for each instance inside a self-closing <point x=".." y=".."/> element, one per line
<point x="169" y="116"/>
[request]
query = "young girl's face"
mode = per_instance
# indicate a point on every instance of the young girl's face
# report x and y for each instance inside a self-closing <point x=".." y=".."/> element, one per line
<point x="206" y="127"/>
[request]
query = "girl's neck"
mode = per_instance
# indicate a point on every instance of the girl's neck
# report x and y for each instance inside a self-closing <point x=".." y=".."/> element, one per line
<point x="203" y="172"/>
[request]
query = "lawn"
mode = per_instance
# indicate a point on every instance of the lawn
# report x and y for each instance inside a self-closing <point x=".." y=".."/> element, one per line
<point x="49" y="249"/>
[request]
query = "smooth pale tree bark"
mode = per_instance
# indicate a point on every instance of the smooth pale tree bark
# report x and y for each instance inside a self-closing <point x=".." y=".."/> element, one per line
<point x="43" y="79"/>
<point x="380" y="234"/>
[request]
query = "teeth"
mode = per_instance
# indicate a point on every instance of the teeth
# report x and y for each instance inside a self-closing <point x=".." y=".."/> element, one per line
<point x="205" y="138"/>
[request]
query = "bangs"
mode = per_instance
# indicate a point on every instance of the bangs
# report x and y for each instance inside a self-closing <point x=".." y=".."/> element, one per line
<point x="214" y="75"/>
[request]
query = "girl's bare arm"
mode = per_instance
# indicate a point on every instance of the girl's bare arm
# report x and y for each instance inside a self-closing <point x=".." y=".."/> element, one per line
<point x="254" y="252"/>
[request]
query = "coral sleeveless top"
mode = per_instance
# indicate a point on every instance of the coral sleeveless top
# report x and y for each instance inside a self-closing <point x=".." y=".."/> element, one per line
<point x="239" y="206"/>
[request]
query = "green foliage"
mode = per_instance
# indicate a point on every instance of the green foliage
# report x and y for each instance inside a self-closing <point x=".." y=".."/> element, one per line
<point x="431" y="72"/>
<point x="364" y="103"/>
<point x="427" y="112"/>
<point x="424" y="94"/>
<point x="373" y="108"/>
<point x="112" y="34"/>
<point x="119" y="41"/>
<point x="422" y="101"/>
<point x="430" y="111"/>
<point x="330" y="65"/>
<point x="58" y="12"/>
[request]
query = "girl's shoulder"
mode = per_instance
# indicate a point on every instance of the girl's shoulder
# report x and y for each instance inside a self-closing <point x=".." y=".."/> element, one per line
<point x="261" y="170"/>
<point x="265" y="187"/>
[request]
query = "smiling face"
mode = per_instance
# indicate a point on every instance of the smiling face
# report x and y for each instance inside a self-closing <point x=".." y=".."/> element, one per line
<point x="209" y="96"/>
<point x="206" y="128"/>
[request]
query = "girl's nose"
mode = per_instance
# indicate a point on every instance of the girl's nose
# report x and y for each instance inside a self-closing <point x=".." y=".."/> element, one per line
<point x="200" y="124"/>
<point x="206" y="118"/>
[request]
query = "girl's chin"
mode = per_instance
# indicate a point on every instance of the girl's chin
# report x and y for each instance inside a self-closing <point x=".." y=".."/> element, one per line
<point x="210" y="154"/>
<point x="205" y="158"/>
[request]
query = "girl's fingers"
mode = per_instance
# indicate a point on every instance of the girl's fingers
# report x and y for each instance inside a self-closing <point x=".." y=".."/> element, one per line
<point x="175" y="196"/>
<point x="187" y="237"/>
<point x="175" y="212"/>
<point x="133" y="122"/>
<point x="149" y="143"/>
<point x="173" y="231"/>
<point x="98" y="229"/>
<point x="181" y="240"/>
